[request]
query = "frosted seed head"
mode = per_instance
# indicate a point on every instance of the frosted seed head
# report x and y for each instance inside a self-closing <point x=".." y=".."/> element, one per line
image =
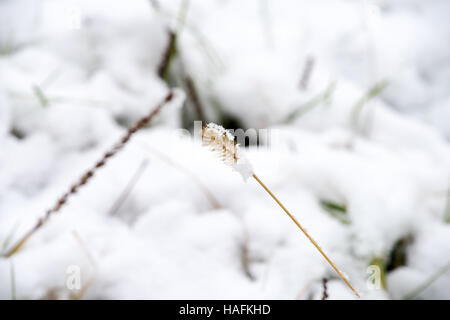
<point x="224" y="144"/>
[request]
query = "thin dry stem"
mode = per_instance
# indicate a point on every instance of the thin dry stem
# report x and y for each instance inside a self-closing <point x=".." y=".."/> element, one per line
<point x="306" y="234"/>
<point x="193" y="95"/>
<point x="128" y="188"/>
<point x="304" y="290"/>
<point x="325" y="289"/>
<point x="88" y="175"/>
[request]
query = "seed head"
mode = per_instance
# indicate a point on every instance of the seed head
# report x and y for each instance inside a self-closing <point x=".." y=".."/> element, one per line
<point x="224" y="144"/>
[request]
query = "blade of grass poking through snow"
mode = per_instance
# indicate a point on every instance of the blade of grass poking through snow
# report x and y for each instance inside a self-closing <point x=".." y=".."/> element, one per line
<point x="427" y="283"/>
<point x="128" y="188"/>
<point x="311" y="104"/>
<point x="381" y="264"/>
<point x="208" y="49"/>
<point x="336" y="210"/>
<point x="325" y="289"/>
<point x="169" y="54"/>
<point x="43" y="100"/>
<point x="85" y="178"/>
<point x="9" y="237"/>
<point x="374" y="91"/>
<point x="194" y="97"/>
<point x="224" y="144"/>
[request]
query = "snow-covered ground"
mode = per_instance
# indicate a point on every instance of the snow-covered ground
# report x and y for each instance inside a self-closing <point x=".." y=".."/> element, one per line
<point x="354" y="95"/>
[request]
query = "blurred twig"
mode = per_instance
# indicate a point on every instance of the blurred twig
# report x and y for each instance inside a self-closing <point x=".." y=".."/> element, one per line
<point x="172" y="54"/>
<point x="168" y="55"/>
<point x="88" y="175"/>
<point x="325" y="289"/>
<point x="43" y="100"/>
<point x="214" y="202"/>
<point x="128" y="188"/>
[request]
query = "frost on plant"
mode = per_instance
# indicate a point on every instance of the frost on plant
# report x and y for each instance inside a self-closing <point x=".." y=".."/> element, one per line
<point x="224" y="144"/>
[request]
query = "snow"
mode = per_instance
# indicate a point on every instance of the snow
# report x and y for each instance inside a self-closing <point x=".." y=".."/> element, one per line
<point x="74" y="76"/>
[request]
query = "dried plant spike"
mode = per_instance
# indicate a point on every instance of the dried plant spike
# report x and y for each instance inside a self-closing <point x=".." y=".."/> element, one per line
<point x="222" y="142"/>
<point x="307" y="235"/>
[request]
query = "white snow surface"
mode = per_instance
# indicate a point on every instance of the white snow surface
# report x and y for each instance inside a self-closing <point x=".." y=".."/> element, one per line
<point x="75" y="74"/>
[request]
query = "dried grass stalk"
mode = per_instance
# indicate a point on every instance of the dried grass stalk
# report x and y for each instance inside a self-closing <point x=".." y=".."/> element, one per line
<point x="223" y="143"/>
<point x="88" y="175"/>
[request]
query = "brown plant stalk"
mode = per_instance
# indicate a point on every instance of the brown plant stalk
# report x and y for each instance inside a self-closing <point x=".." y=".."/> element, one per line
<point x="325" y="289"/>
<point x="128" y="188"/>
<point x="224" y="144"/>
<point x="88" y="175"/>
